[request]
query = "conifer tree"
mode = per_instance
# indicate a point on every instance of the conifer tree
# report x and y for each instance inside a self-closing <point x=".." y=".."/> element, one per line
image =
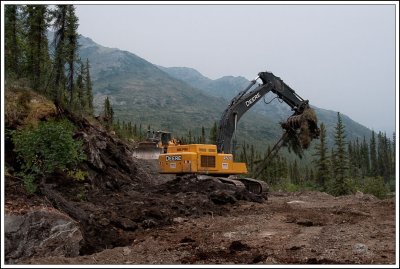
<point x="12" y="40"/>
<point x="60" y="28"/>
<point x="213" y="134"/>
<point x="373" y="156"/>
<point x="340" y="167"/>
<point x="203" y="136"/>
<point x="322" y="161"/>
<point x="108" y="113"/>
<point x="38" y="59"/>
<point x="80" y="102"/>
<point x="89" y="90"/>
<point x="71" y="48"/>
<point x="383" y="157"/>
<point x="190" y="141"/>
<point x="365" y="163"/>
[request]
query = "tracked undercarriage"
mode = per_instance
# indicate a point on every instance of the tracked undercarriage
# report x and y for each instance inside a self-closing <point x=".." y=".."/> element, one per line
<point x="252" y="185"/>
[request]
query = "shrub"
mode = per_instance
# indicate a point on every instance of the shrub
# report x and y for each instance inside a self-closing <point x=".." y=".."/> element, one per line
<point x="286" y="186"/>
<point x="376" y="186"/>
<point x="338" y="188"/>
<point x="45" y="149"/>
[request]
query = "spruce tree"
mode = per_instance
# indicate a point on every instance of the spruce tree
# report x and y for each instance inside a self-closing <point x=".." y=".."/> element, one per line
<point x="203" y="135"/>
<point x="322" y="160"/>
<point x="59" y="27"/>
<point x="80" y="102"/>
<point x="353" y="160"/>
<point x="38" y="59"/>
<point x="108" y="113"/>
<point x="373" y="156"/>
<point x="340" y="186"/>
<point x="71" y="48"/>
<point x="12" y="40"/>
<point x="383" y="157"/>
<point x="213" y="134"/>
<point x="365" y="166"/>
<point x="89" y="90"/>
<point x="190" y="141"/>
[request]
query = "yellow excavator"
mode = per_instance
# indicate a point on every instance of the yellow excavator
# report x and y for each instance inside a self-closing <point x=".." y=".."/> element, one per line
<point x="217" y="160"/>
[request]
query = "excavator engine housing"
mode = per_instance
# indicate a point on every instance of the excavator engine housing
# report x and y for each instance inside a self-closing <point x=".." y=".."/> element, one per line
<point x="199" y="159"/>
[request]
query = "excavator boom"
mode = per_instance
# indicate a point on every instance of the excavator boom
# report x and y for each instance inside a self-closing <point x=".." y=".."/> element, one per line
<point x="246" y="99"/>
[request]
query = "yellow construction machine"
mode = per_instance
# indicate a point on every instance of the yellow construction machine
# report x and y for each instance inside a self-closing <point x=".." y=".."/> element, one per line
<point x="217" y="160"/>
<point x="156" y="143"/>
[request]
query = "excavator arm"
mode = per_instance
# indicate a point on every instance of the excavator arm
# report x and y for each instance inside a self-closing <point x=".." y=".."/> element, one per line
<point x="246" y="99"/>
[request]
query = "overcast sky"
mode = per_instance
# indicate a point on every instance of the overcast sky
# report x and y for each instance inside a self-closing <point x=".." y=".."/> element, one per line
<point x="340" y="57"/>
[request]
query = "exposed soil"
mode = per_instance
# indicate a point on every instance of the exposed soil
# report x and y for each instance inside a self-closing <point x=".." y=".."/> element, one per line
<point x="129" y="214"/>
<point x="169" y="226"/>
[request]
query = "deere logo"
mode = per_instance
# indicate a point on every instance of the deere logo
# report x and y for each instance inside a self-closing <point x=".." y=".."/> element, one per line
<point x="173" y="158"/>
<point x="252" y="99"/>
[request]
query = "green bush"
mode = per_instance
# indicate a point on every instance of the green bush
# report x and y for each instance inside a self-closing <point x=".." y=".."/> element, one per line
<point x="376" y="186"/>
<point x="286" y="186"/>
<point x="45" y="149"/>
<point x="338" y="187"/>
<point x="392" y="184"/>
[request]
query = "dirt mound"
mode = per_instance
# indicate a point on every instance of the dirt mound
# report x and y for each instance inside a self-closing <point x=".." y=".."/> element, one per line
<point x="123" y="196"/>
<point x="110" y="162"/>
<point x="112" y="217"/>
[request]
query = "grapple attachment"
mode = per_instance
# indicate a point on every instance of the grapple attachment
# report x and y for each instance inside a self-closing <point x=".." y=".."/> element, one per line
<point x="303" y="127"/>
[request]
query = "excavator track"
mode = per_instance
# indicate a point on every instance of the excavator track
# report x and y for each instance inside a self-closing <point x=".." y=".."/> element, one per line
<point x="226" y="180"/>
<point x="236" y="183"/>
<point x="250" y="184"/>
<point x="255" y="186"/>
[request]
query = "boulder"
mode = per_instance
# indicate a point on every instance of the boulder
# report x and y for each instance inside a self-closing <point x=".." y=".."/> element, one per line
<point x="41" y="233"/>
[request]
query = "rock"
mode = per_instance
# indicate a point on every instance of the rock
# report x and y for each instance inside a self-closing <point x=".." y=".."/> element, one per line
<point x="296" y="202"/>
<point x="41" y="233"/>
<point x="128" y="224"/>
<point x="360" y="248"/>
<point x="126" y="251"/>
<point x="179" y="219"/>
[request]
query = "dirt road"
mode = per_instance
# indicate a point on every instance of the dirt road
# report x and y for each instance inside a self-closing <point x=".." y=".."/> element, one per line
<point x="297" y="228"/>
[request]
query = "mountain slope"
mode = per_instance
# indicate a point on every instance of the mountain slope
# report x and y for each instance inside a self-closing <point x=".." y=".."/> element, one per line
<point x="227" y="87"/>
<point x="180" y="99"/>
<point x="144" y="94"/>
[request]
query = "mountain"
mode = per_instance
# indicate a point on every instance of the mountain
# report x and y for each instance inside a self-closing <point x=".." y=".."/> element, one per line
<point x="142" y="93"/>
<point x="227" y="87"/>
<point x="180" y="99"/>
